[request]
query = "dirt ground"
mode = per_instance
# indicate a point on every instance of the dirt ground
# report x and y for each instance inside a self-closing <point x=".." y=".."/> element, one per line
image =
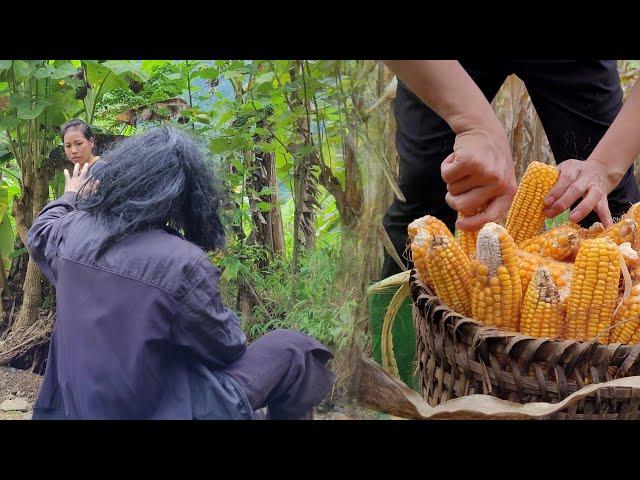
<point x="16" y="383"/>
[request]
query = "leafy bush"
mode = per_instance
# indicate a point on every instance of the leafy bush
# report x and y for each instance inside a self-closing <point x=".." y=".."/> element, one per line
<point x="314" y="307"/>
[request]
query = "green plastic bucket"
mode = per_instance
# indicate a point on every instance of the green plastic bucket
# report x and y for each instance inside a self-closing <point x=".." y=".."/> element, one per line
<point x="404" y="338"/>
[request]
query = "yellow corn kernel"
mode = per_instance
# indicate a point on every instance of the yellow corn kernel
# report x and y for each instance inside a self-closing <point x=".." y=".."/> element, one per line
<point x="625" y="230"/>
<point x="496" y="292"/>
<point x="560" y="243"/>
<point x="424" y="227"/>
<point x="630" y="256"/>
<point x="560" y="271"/>
<point x="594" y="290"/>
<point x="467" y="239"/>
<point x="525" y="218"/>
<point x="627" y="319"/>
<point x="541" y="314"/>
<point x="430" y="224"/>
<point x="419" y="249"/>
<point x="450" y="270"/>
<point x="633" y="213"/>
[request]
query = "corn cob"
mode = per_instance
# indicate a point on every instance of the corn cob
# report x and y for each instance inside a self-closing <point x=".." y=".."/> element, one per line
<point x="467" y="239"/>
<point x="419" y="249"/>
<point x="633" y="213"/>
<point x="560" y="243"/>
<point x="430" y="224"/>
<point x="525" y="218"/>
<point x="592" y="232"/>
<point x="630" y="256"/>
<point x="627" y="331"/>
<point x="450" y="270"/>
<point x="560" y="271"/>
<point x="620" y="232"/>
<point x="496" y="292"/>
<point x="541" y="314"/>
<point x="419" y="232"/>
<point x="594" y="290"/>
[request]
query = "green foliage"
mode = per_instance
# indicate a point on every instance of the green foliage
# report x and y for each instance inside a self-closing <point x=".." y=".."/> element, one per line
<point x="8" y="189"/>
<point x="237" y="109"/>
<point x="316" y="308"/>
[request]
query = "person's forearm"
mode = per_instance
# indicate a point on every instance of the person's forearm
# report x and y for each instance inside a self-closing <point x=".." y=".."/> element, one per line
<point x="448" y="90"/>
<point x="620" y="145"/>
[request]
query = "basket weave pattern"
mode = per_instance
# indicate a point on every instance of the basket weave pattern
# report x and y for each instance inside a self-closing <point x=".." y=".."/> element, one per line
<point x="458" y="356"/>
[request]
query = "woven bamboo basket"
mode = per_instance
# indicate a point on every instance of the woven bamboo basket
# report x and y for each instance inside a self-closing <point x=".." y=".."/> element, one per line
<point x="458" y="356"/>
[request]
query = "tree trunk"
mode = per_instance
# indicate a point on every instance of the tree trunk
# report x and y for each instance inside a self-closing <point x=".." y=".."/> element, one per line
<point x="26" y="208"/>
<point x="268" y="230"/>
<point x="305" y="190"/>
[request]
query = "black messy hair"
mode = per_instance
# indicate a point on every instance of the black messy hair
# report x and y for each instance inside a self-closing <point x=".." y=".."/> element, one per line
<point x="76" y="124"/>
<point x="154" y="180"/>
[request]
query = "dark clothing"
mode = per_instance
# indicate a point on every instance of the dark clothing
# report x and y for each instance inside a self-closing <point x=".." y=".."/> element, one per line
<point x="141" y="331"/>
<point x="284" y="370"/>
<point x="576" y="100"/>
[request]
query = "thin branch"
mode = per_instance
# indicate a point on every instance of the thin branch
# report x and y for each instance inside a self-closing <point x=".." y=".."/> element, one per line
<point x="284" y="94"/>
<point x="306" y="107"/>
<point x="267" y="125"/>
<point x="95" y="100"/>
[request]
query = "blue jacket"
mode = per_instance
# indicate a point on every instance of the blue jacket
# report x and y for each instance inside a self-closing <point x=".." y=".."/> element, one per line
<point x="141" y="332"/>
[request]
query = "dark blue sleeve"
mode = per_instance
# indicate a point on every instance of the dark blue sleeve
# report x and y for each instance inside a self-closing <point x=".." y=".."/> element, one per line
<point x="43" y="236"/>
<point x="206" y="327"/>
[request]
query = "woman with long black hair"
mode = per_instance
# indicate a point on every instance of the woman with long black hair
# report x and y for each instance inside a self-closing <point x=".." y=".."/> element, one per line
<point x="141" y="331"/>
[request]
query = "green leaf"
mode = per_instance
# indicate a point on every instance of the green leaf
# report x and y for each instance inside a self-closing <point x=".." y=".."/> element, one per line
<point x="305" y="150"/>
<point x="4" y="200"/>
<point x="64" y="70"/>
<point x="7" y="240"/>
<point x="219" y="145"/>
<point x="226" y="116"/>
<point x="229" y="74"/>
<point x="126" y="66"/>
<point x="50" y="71"/>
<point x="238" y="164"/>
<point x="208" y="73"/>
<point x="9" y="123"/>
<point x="22" y="70"/>
<point x="264" y="206"/>
<point x="5" y="64"/>
<point x="103" y="79"/>
<point x="265" y="77"/>
<point x="266" y="147"/>
<point x="266" y="191"/>
<point x="13" y="190"/>
<point x="28" y="110"/>
<point x="18" y="252"/>
<point x="149" y="65"/>
<point x="231" y="271"/>
<point x="202" y="118"/>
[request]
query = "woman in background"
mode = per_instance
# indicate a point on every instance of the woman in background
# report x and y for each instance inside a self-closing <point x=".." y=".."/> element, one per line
<point x="78" y="142"/>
